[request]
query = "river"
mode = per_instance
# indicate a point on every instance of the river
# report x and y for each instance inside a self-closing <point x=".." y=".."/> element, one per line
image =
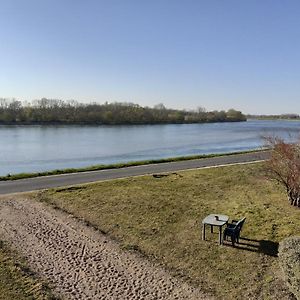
<point x="42" y="148"/>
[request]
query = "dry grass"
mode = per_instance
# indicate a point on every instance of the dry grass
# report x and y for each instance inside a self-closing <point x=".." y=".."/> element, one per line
<point x="17" y="282"/>
<point x="160" y="217"/>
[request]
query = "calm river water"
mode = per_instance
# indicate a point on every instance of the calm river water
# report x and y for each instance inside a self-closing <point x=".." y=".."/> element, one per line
<point x="40" y="148"/>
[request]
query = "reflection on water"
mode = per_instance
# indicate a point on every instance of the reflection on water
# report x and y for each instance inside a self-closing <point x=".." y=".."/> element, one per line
<point x="40" y="148"/>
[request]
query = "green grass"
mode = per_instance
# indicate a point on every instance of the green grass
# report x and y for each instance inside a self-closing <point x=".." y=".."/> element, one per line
<point x="17" y="282"/>
<point x="160" y="218"/>
<point x="117" y="166"/>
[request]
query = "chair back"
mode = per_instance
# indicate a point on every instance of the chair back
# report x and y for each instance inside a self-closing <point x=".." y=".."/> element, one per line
<point x="240" y="224"/>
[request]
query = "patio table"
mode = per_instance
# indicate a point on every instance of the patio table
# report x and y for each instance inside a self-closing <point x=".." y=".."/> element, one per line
<point x="215" y="220"/>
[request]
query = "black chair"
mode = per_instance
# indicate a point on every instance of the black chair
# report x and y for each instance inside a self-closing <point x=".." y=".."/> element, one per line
<point x="233" y="230"/>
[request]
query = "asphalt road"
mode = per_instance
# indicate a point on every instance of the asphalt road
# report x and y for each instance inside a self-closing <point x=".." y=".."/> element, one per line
<point x="39" y="183"/>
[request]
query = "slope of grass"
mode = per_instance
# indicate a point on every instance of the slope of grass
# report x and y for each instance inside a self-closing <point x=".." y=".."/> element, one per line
<point x="160" y="217"/>
<point x="17" y="282"/>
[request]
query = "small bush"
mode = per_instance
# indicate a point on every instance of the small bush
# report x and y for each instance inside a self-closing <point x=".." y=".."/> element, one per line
<point x="289" y="255"/>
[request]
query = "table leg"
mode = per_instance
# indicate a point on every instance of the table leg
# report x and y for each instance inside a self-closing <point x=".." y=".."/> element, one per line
<point x="220" y="235"/>
<point x="203" y="232"/>
<point x="211" y="229"/>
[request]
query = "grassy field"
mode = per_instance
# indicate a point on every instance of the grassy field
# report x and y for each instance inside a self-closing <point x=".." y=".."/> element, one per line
<point x="160" y="218"/>
<point x="17" y="282"/>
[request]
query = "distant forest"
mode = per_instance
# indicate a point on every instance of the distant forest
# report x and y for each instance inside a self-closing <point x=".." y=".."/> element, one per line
<point x="50" y="111"/>
<point x="275" y="117"/>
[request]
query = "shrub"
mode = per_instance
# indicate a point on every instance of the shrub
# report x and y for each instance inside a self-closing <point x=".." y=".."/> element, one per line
<point x="284" y="166"/>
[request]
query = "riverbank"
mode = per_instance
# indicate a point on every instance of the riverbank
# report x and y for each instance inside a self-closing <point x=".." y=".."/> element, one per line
<point x="57" y="123"/>
<point x="121" y="165"/>
<point x="159" y="217"/>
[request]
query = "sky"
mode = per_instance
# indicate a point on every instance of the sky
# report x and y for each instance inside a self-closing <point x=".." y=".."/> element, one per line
<point x="217" y="54"/>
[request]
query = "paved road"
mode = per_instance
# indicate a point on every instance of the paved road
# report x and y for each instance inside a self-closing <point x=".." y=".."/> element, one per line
<point x="38" y="183"/>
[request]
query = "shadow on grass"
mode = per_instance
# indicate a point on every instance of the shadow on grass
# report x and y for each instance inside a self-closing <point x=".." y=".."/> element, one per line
<point x="261" y="246"/>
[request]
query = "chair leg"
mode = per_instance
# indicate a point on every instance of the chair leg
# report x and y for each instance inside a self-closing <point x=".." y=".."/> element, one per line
<point x="233" y="240"/>
<point x="238" y="237"/>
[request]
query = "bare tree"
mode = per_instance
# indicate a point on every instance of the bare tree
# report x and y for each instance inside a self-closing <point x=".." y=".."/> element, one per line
<point x="284" y="166"/>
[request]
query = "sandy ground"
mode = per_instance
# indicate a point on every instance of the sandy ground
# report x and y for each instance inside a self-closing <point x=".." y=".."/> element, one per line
<point x="79" y="262"/>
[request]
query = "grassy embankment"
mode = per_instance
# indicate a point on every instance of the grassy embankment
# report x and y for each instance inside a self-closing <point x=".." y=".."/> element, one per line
<point x="17" y="281"/>
<point x="160" y="218"/>
<point x="118" y="166"/>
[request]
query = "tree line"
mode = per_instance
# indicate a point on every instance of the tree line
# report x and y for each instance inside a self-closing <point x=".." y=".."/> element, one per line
<point x="275" y="117"/>
<point x="52" y="111"/>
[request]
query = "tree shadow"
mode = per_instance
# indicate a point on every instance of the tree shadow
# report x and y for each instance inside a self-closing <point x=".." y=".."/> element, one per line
<point x="261" y="246"/>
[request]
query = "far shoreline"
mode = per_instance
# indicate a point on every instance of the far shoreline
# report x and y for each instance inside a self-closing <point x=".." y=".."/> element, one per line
<point x="110" y="124"/>
<point x="25" y="124"/>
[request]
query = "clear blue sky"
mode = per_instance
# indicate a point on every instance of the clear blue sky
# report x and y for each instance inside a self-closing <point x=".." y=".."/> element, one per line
<point x="243" y="54"/>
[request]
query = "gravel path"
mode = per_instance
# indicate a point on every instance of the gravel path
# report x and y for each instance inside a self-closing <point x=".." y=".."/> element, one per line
<point x="78" y="261"/>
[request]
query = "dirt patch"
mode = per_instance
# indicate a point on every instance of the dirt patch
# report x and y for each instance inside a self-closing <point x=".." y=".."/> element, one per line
<point x="78" y="261"/>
